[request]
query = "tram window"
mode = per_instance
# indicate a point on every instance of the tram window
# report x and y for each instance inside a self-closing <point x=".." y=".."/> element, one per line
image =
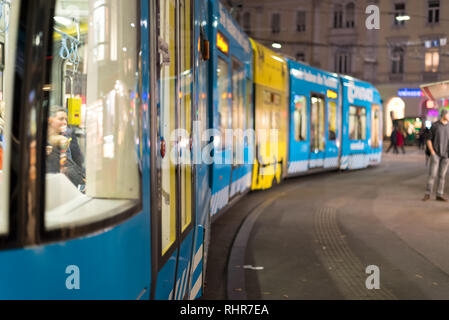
<point x="238" y="120"/>
<point x="357" y="123"/>
<point x="92" y="165"/>
<point x="332" y="120"/>
<point x="317" y="124"/>
<point x="166" y="122"/>
<point x="375" y="126"/>
<point x="300" y="117"/>
<point x="8" y="36"/>
<point x="186" y="76"/>
<point x="249" y="104"/>
<point x="223" y="97"/>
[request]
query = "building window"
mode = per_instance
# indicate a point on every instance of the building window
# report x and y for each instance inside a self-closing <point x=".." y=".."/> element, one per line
<point x="432" y="61"/>
<point x="276" y="23"/>
<point x="247" y="22"/>
<point x="301" y="21"/>
<point x="343" y="63"/>
<point x="300" y="56"/>
<point x="434" y="11"/>
<point x="350" y="15"/>
<point x="338" y="16"/>
<point x="397" y="61"/>
<point x="399" y="11"/>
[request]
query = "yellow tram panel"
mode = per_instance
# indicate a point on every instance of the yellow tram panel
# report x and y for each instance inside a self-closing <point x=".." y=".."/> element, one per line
<point x="271" y="117"/>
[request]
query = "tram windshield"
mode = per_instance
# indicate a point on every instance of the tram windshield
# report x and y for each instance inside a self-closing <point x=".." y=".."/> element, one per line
<point x="92" y="165"/>
<point x="9" y="14"/>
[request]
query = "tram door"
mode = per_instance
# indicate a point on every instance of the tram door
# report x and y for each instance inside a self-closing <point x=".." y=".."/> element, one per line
<point x="317" y="131"/>
<point x="202" y="192"/>
<point x="173" y="182"/>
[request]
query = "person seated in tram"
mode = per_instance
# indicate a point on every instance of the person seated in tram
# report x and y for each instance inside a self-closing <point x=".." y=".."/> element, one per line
<point x="63" y="151"/>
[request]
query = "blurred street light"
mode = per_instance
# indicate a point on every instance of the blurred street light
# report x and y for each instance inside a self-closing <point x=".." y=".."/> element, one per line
<point x="403" y="18"/>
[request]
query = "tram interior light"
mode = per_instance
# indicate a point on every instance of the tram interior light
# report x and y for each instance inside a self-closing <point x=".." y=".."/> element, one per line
<point x="63" y="21"/>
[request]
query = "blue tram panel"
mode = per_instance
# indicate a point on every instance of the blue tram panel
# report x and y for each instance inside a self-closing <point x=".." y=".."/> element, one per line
<point x="231" y="109"/>
<point x="362" y="136"/>
<point x="314" y="119"/>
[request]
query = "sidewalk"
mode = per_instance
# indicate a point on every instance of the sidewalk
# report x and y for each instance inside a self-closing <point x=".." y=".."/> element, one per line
<point x="316" y="240"/>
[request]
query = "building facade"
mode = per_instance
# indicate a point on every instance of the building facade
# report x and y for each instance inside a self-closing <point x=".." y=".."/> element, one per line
<point x="409" y="48"/>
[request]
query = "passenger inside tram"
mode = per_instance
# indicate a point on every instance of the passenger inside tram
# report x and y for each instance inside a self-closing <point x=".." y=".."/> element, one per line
<point x="93" y="148"/>
<point x="63" y="151"/>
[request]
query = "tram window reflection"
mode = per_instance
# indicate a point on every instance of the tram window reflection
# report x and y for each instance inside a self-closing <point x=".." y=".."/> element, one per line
<point x="238" y="120"/>
<point x="92" y="165"/>
<point x="8" y="39"/>
<point x="375" y="126"/>
<point x="332" y="120"/>
<point x="357" y="123"/>
<point x="223" y="103"/>
<point x="300" y="118"/>
<point x="317" y="124"/>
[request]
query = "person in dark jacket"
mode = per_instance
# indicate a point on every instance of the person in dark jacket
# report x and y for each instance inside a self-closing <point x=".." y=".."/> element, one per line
<point x="438" y="143"/>
<point x="393" y="140"/>
<point x="63" y="151"/>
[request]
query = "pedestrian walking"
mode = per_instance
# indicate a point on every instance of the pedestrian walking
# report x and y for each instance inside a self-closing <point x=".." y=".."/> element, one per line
<point x="393" y="141"/>
<point x="400" y="140"/>
<point x="437" y="141"/>
<point x="422" y="137"/>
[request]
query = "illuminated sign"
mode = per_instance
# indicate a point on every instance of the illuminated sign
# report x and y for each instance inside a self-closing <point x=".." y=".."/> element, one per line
<point x="432" y="113"/>
<point x="410" y="93"/>
<point x="222" y="43"/>
<point x="332" y="94"/>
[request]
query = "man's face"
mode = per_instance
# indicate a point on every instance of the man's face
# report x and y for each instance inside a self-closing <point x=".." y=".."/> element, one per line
<point x="446" y="117"/>
<point x="59" y="122"/>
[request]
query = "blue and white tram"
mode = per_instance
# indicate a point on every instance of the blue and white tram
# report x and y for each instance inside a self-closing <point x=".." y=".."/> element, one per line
<point x="362" y="132"/>
<point x="335" y="121"/>
<point x="118" y="80"/>
<point x="315" y="129"/>
<point x="103" y="108"/>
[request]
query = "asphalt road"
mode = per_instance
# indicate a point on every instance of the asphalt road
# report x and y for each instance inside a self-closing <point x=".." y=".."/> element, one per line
<point x="314" y="238"/>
